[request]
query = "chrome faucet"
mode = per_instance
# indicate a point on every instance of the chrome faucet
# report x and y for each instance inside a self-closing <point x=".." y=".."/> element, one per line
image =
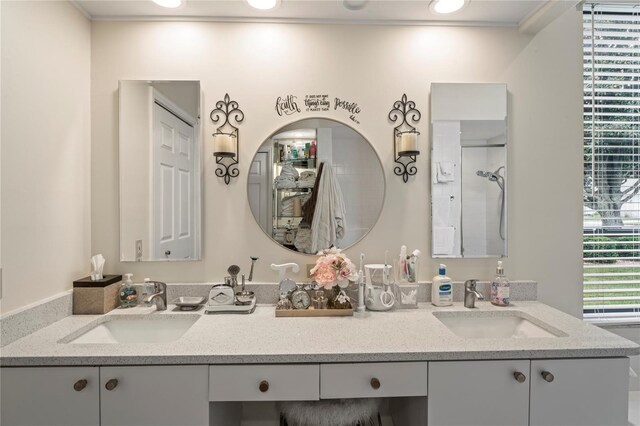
<point x="471" y="294"/>
<point x="159" y="295"/>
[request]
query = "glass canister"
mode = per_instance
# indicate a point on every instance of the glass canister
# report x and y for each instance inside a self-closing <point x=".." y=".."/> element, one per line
<point x="407" y="295"/>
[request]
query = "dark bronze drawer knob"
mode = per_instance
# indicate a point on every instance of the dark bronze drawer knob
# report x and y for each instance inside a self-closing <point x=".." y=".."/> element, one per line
<point x="520" y="377"/>
<point x="548" y="377"/>
<point x="264" y="386"/>
<point x="111" y="384"/>
<point x="375" y="383"/>
<point x="79" y="385"/>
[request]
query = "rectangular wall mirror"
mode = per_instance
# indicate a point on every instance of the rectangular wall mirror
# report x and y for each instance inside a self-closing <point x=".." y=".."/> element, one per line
<point x="469" y="170"/>
<point x="160" y="170"/>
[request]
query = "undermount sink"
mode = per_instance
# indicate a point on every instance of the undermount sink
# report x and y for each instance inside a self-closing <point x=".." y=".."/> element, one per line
<point x="496" y="325"/>
<point x="135" y="329"/>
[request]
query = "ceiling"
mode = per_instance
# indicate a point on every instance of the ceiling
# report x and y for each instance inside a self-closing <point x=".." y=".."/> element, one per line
<point x="477" y="12"/>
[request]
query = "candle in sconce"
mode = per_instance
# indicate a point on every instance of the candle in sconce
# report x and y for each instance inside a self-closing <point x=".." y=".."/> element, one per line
<point x="407" y="143"/>
<point x="224" y="144"/>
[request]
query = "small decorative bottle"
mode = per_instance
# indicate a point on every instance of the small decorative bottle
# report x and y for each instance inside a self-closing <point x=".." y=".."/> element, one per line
<point x="128" y="294"/>
<point x="312" y="150"/>
<point x="500" y="288"/>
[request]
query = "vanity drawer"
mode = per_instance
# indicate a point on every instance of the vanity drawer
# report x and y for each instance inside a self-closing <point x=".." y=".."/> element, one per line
<point x="264" y="382"/>
<point x="385" y="379"/>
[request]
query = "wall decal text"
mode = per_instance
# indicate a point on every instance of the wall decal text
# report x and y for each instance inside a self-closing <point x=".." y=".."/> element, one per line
<point x="317" y="103"/>
<point x="287" y="105"/>
<point x="351" y="107"/>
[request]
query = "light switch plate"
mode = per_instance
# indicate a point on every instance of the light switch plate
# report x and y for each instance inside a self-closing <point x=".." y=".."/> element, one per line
<point x="0" y="283"/>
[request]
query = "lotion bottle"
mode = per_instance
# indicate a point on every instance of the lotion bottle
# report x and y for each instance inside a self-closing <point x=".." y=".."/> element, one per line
<point x="441" y="289"/>
<point x="500" y="288"/>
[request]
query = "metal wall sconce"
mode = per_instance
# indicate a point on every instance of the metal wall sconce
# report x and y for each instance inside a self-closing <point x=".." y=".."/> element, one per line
<point x="405" y="137"/>
<point x="226" y="139"/>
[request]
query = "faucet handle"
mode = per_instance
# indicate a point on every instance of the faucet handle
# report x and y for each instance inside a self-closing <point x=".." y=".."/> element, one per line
<point x="159" y="286"/>
<point x="470" y="284"/>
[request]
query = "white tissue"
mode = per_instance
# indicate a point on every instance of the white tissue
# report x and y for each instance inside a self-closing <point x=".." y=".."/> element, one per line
<point x="97" y="266"/>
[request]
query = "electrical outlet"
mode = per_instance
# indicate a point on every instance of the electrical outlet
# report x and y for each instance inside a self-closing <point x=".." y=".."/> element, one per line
<point x="138" y="250"/>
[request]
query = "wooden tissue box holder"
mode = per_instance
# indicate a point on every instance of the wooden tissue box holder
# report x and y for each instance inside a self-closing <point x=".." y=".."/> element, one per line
<point x="96" y="297"/>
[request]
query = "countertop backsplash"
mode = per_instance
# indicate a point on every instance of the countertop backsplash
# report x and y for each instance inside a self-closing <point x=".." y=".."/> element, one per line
<point x="17" y="324"/>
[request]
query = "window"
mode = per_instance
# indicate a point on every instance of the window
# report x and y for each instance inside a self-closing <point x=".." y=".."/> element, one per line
<point x="611" y="163"/>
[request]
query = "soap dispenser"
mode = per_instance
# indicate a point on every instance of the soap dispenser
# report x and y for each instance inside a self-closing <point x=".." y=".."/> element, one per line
<point x="500" y="288"/>
<point x="128" y="293"/>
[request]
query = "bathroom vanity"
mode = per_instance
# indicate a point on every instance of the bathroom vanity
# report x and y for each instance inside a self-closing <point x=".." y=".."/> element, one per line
<point x="537" y="366"/>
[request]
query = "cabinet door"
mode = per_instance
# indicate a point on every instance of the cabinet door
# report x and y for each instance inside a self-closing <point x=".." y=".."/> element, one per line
<point x="478" y="393"/>
<point x="154" y="395"/>
<point x="63" y="396"/>
<point x="579" y="392"/>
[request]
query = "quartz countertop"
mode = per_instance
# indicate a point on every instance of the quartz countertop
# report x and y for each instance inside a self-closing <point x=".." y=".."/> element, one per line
<point x="399" y="335"/>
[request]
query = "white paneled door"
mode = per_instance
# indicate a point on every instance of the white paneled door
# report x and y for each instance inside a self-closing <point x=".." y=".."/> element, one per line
<point x="259" y="189"/>
<point x="174" y="185"/>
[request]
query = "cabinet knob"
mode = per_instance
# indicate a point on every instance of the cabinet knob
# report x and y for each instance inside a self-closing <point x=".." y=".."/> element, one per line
<point x="264" y="386"/>
<point x="520" y="377"/>
<point x="375" y="383"/>
<point x="80" y="384"/>
<point x="548" y="376"/>
<point x="111" y="384"/>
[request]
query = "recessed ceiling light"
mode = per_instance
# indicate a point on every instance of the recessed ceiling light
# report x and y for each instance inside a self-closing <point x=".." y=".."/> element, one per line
<point x="172" y="4"/>
<point x="447" y="6"/>
<point x="354" y="4"/>
<point x="263" y="4"/>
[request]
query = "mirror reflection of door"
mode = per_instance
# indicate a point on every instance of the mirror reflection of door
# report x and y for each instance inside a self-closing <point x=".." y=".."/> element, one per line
<point x="173" y="182"/>
<point x="160" y="170"/>
<point x="259" y="187"/>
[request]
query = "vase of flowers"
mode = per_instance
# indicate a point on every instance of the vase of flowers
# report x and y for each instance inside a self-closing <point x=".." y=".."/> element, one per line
<point x="333" y="271"/>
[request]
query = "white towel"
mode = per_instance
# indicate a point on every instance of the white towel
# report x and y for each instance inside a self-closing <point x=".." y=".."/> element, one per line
<point x="443" y="239"/>
<point x="329" y="217"/>
<point x="285" y="183"/>
<point x="289" y="171"/>
<point x="445" y="171"/>
<point x="441" y="211"/>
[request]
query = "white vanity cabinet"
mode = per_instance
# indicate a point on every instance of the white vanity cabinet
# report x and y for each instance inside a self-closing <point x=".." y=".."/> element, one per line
<point x="569" y="392"/>
<point x="162" y="395"/>
<point x="51" y="396"/>
<point x="478" y="393"/>
<point x="584" y="392"/>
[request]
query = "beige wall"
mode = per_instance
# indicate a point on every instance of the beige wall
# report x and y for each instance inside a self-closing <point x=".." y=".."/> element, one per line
<point x="545" y="122"/>
<point x="45" y="149"/>
<point x="373" y="66"/>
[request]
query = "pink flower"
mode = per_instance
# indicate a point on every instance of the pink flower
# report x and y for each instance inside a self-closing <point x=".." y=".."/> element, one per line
<point x="333" y="266"/>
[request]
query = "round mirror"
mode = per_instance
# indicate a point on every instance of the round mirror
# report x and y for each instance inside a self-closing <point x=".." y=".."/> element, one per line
<point x="314" y="184"/>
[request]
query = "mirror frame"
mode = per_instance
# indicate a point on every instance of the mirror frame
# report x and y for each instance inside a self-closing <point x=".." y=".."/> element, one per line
<point x="199" y="179"/>
<point x="384" y="180"/>
<point x="484" y="102"/>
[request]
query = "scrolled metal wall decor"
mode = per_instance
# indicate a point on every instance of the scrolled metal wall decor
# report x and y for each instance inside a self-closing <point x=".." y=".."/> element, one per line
<point x="226" y="139"/>
<point x="405" y="137"/>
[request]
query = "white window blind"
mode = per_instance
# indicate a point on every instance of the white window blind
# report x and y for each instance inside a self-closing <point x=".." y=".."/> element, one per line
<point x="611" y="163"/>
